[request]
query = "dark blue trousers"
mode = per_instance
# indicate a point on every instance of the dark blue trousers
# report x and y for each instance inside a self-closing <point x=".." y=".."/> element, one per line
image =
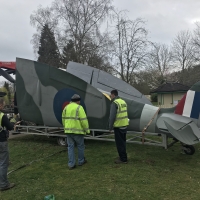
<point x="4" y="162"/>
<point x="120" y="140"/>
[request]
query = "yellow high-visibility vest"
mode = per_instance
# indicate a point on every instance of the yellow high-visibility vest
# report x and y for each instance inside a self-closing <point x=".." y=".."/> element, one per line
<point x="13" y="120"/>
<point x="122" y="115"/>
<point x="74" y="119"/>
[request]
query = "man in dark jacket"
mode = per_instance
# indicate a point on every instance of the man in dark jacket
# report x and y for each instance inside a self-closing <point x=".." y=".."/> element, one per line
<point x="4" y="154"/>
<point x="118" y="121"/>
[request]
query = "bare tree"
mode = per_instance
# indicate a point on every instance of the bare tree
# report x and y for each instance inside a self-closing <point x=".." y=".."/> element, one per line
<point x="76" y="20"/>
<point x="183" y="53"/>
<point x="146" y="80"/>
<point x="183" y="50"/>
<point x="38" y="19"/>
<point x="160" y="59"/>
<point x="158" y="65"/>
<point x="129" y="46"/>
<point x="196" y="42"/>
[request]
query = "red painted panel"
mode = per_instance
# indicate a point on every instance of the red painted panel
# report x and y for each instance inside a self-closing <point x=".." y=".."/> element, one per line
<point x="8" y="65"/>
<point x="180" y="106"/>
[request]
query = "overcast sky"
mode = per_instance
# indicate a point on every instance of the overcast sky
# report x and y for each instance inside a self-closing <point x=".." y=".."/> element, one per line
<point x="164" y="19"/>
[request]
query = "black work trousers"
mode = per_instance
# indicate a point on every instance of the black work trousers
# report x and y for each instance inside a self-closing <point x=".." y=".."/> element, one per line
<point x="120" y="140"/>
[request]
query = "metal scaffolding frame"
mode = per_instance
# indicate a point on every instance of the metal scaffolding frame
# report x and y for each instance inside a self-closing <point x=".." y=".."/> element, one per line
<point x="97" y="134"/>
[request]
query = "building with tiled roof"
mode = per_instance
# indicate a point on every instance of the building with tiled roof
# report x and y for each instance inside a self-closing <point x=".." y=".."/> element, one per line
<point x="170" y="93"/>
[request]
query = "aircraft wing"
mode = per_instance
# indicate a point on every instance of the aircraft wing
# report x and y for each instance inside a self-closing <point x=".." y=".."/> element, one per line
<point x="104" y="81"/>
<point x="180" y="127"/>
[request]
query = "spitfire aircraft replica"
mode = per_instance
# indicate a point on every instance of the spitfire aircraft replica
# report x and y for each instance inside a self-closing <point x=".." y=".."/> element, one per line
<point x="43" y="91"/>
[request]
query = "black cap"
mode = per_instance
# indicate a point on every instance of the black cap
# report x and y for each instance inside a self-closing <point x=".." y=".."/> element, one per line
<point x="75" y="98"/>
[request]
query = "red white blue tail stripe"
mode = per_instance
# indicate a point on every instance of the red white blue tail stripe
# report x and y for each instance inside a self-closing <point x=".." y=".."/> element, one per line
<point x="189" y="105"/>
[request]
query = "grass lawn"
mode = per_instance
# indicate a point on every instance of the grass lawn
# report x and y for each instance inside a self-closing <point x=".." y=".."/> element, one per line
<point x="152" y="172"/>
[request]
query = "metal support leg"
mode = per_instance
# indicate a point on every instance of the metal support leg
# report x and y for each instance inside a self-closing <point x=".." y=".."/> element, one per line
<point x="165" y="140"/>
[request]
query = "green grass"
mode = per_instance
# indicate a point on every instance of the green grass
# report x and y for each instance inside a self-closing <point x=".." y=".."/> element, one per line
<point x="152" y="172"/>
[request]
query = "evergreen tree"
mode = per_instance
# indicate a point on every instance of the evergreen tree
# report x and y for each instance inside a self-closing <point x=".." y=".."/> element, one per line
<point x="48" y="49"/>
<point x="69" y="53"/>
<point x="5" y="98"/>
<point x="6" y="85"/>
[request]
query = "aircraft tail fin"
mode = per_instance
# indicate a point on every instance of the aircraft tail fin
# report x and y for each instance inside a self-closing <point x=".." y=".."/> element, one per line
<point x="189" y="105"/>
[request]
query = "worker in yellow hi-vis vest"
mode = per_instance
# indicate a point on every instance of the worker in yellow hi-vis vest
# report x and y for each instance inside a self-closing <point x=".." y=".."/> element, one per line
<point x="119" y="121"/>
<point x="76" y="126"/>
<point x="5" y="127"/>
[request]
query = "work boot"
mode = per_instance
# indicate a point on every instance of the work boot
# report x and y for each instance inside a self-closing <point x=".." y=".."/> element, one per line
<point x="9" y="186"/>
<point x="118" y="161"/>
<point x="85" y="161"/>
<point x="70" y="168"/>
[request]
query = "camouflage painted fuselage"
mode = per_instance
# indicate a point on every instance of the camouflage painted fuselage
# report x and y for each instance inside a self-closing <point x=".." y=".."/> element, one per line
<point x="43" y="92"/>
